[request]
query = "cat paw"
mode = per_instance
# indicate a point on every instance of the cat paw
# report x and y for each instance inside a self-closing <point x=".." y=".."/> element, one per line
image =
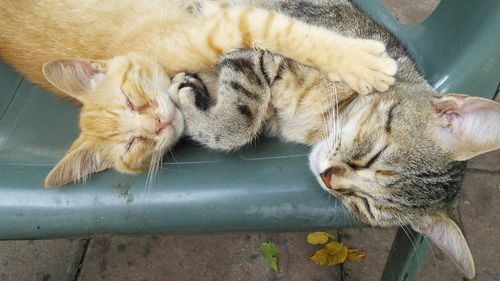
<point x="365" y="66"/>
<point x="187" y="91"/>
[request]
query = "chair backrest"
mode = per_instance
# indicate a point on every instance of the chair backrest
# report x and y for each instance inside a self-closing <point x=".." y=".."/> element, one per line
<point x="457" y="47"/>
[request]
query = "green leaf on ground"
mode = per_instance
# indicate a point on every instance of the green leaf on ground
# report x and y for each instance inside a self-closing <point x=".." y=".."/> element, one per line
<point x="270" y="253"/>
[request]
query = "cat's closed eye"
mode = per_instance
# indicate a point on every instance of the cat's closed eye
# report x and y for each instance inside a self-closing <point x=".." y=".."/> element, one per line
<point x="130" y="143"/>
<point x="139" y="139"/>
<point x="130" y="104"/>
<point x="134" y="103"/>
<point x="386" y="173"/>
<point x="358" y="165"/>
<point x="375" y="157"/>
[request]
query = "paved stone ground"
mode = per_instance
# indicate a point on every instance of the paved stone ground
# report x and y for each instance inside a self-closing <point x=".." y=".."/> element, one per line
<point x="236" y="256"/>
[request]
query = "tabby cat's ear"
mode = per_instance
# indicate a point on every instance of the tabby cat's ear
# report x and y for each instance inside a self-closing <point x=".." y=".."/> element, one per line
<point x="81" y="160"/>
<point x="74" y="77"/>
<point x="446" y="234"/>
<point x="470" y="125"/>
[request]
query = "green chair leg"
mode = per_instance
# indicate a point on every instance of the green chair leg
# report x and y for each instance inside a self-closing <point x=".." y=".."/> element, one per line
<point x="407" y="256"/>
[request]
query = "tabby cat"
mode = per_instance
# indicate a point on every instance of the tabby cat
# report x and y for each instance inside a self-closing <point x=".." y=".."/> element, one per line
<point x="392" y="159"/>
<point x="115" y="57"/>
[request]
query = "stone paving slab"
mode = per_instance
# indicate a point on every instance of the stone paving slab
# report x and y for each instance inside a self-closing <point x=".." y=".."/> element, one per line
<point x="480" y="209"/>
<point x="486" y="162"/>
<point x="39" y="260"/>
<point x="209" y="257"/>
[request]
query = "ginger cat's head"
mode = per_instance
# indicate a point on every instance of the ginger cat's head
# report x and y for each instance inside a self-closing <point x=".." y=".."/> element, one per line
<point x="398" y="159"/>
<point x="127" y="119"/>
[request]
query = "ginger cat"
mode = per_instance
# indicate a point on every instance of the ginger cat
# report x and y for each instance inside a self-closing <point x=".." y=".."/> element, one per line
<point x="128" y="50"/>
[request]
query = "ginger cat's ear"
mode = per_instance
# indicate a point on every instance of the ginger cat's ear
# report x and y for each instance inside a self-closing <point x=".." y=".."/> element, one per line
<point x="81" y="160"/>
<point x="471" y="125"/>
<point x="446" y="234"/>
<point x="74" y="77"/>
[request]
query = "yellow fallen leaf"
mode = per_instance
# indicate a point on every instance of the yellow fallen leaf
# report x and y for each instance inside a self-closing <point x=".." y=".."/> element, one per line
<point x="355" y="255"/>
<point x="333" y="253"/>
<point x="319" y="237"/>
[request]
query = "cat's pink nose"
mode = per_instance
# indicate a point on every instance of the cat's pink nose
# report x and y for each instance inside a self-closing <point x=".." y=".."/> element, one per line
<point x="326" y="178"/>
<point x="160" y="125"/>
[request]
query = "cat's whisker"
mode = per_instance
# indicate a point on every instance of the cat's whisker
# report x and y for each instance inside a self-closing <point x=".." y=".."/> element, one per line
<point x="327" y="130"/>
<point x="432" y="250"/>
<point x="341" y="124"/>
<point x="337" y="126"/>
<point x="171" y="152"/>
<point x="347" y="213"/>
<point x="156" y="78"/>
<point x="410" y="236"/>
<point x="150" y="172"/>
<point x="337" y="118"/>
<point x="325" y="127"/>
<point x="160" y="163"/>
<point x="350" y="219"/>
<point x="158" y="155"/>
<point x="326" y="121"/>
<point x="333" y="114"/>
<point x="152" y="176"/>
<point x="405" y="218"/>
<point x="335" y="204"/>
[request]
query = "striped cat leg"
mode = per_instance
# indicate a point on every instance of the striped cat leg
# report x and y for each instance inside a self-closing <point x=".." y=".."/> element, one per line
<point x="235" y="116"/>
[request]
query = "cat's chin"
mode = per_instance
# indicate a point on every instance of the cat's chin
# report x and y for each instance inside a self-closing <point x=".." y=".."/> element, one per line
<point x="177" y="124"/>
<point x="318" y="162"/>
<point x="170" y="135"/>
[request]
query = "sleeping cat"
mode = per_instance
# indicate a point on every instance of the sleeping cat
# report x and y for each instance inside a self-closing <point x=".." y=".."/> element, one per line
<point x="115" y="57"/>
<point x="392" y="159"/>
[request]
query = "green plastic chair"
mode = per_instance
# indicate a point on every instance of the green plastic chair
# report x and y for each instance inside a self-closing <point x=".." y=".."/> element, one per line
<point x="265" y="187"/>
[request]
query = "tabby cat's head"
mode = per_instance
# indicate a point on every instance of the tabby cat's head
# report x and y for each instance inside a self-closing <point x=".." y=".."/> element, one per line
<point x="126" y="117"/>
<point x="397" y="160"/>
